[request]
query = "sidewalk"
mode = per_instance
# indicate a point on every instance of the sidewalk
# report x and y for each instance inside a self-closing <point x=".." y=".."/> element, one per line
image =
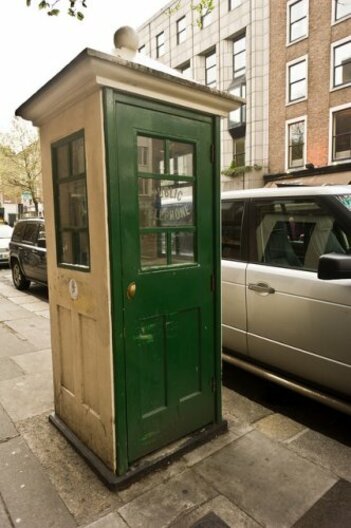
<point x="269" y="470"/>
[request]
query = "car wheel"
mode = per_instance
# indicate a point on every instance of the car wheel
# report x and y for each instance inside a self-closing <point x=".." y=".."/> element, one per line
<point x="19" y="280"/>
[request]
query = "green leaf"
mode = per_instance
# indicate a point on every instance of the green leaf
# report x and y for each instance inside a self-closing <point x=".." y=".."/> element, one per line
<point x="43" y="5"/>
<point x="54" y="12"/>
<point x="28" y="2"/>
<point x="80" y="15"/>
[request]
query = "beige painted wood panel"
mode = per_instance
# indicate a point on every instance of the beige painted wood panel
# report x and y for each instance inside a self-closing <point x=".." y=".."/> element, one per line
<point x="81" y="328"/>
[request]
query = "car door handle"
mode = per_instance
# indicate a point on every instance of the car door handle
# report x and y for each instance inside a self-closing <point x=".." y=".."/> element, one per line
<point x="261" y="287"/>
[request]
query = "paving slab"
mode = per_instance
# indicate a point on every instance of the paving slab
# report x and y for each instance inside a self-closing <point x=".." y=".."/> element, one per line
<point x="36" y="306"/>
<point x="30" y="498"/>
<point x="9" y="369"/>
<point x="224" y="509"/>
<point x="33" y="362"/>
<point x="4" y="519"/>
<point x="165" y="503"/>
<point x="83" y="493"/>
<point x="27" y="396"/>
<point x="247" y="411"/>
<point x="35" y="329"/>
<point x="10" y="311"/>
<point x="112" y="520"/>
<point x="7" y="428"/>
<point x="265" y="479"/>
<point x="7" y="289"/>
<point x="12" y="344"/>
<point x="325" y="451"/>
<point x="279" y="427"/>
<point x="332" y="510"/>
<point x="207" y="449"/>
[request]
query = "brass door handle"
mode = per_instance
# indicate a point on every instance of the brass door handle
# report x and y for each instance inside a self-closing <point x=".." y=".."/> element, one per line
<point x="131" y="290"/>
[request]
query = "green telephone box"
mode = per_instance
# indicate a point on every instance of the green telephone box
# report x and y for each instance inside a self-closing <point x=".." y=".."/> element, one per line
<point x="131" y="177"/>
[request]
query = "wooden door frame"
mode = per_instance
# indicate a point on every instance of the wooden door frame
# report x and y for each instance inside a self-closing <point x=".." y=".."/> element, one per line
<point x="111" y="98"/>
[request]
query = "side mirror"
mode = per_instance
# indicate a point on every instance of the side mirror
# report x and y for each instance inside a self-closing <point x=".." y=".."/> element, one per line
<point x="334" y="266"/>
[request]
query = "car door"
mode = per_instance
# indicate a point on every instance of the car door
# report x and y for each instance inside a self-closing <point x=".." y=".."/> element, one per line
<point x="296" y="322"/>
<point x="234" y="263"/>
<point x="27" y="250"/>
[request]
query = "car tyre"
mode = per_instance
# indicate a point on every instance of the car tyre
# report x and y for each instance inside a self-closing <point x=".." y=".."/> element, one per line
<point x="19" y="280"/>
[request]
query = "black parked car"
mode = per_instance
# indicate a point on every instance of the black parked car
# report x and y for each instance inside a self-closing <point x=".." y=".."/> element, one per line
<point x="28" y="253"/>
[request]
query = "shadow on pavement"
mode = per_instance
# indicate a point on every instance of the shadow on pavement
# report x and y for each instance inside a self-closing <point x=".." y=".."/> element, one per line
<point x="313" y="415"/>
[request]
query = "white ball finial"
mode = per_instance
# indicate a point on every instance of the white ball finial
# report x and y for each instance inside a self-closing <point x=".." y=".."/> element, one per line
<point x="126" y="41"/>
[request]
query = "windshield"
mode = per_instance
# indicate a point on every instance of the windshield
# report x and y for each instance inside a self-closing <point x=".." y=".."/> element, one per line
<point x="5" y="231"/>
<point x="345" y="199"/>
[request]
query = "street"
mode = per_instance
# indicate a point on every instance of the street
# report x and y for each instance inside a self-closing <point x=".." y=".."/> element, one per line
<point x="285" y="462"/>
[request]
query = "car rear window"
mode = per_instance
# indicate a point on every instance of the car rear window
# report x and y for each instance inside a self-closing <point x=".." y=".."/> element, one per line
<point x="30" y="233"/>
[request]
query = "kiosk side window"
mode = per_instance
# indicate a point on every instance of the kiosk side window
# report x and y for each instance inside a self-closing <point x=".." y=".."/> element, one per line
<point x="71" y="203"/>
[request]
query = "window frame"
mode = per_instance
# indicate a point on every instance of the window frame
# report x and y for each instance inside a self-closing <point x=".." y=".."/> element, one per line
<point x="242" y="70"/>
<point x="142" y="49"/>
<point x="335" y="20"/>
<point x="289" y="4"/>
<point x="160" y="47"/>
<point x="332" y="111"/>
<point x="303" y="58"/>
<point x="211" y="53"/>
<point x="181" y="32"/>
<point x="233" y="4"/>
<point x="241" y="87"/>
<point x="288" y="123"/>
<point x="68" y="140"/>
<point x="244" y="240"/>
<point x="184" y="67"/>
<point x="236" y="154"/>
<point x="333" y="47"/>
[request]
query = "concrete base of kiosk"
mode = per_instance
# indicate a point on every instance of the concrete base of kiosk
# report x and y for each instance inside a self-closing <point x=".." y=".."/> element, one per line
<point x="145" y="465"/>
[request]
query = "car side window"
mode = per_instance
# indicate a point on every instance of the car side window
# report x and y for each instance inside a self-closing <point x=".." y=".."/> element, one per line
<point x="294" y="233"/>
<point x="30" y="233"/>
<point x="232" y="218"/>
<point x="18" y="232"/>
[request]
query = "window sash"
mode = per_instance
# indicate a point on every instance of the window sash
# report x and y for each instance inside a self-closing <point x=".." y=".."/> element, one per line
<point x="297" y="20"/>
<point x="181" y="30"/>
<point x="211" y="69"/>
<point x="297" y="81"/>
<point x="160" y="44"/>
<point x="342" y="135"/>
<point x="342" y="64"/>
<point x="239" y="57"/>
<point x="341" y="10"/>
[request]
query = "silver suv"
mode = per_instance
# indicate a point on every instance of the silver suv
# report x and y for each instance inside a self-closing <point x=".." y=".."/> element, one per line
<point x="280" y="319"/>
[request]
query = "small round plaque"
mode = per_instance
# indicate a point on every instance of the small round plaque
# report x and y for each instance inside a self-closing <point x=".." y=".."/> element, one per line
<point x="73" y="289"/>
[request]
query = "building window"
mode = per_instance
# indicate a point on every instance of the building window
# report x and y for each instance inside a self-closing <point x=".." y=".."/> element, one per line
<point x="181" y="30"/>
<point x="160" y="44"/>
<point x="342" y="135"/>
<point x="238" y="117"/>
<point x="342" y="9"/>
<point x="239" y="56"/>
<point x="142" y="49"/>
<point x="297" y="20"/>
<point x="210" y="69"/>
<point x="232" y="4"/>
<point x="71" y="203"/>
<point x="341" y="63"/>
<point x="206" y="18"/>
<point x="296" y="144"/>
<point x="185" y="69"/>
<point x="239" y="152"/>
<point x="297" y="80"/>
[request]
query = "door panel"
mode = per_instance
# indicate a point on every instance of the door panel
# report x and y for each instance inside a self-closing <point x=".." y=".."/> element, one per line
<point x="166" y="207"/>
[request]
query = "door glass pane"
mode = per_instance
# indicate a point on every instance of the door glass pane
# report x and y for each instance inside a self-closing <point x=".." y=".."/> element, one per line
<point x="165" y="203"/>
<point x="151" y="155"/>
<point x="78" y="157"/>
<point x="181" y="158"/>
<point x="62" y="161"/>
<point x="73" y="204"/>
<point x="153" y="250"/>
<point x="182" y="248"/>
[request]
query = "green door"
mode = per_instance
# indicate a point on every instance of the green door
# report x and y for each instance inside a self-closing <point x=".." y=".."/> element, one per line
<point x="165" y="206"/>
